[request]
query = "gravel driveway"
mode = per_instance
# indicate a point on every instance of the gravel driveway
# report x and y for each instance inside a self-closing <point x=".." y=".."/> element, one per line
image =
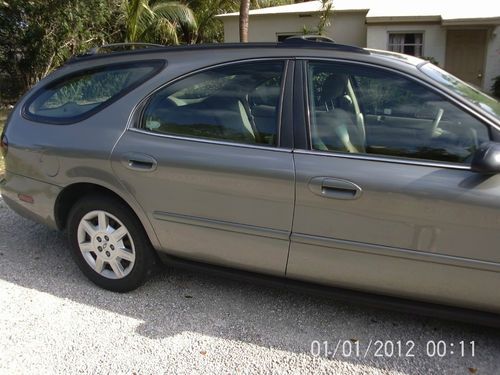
<point x="52" y="320"/>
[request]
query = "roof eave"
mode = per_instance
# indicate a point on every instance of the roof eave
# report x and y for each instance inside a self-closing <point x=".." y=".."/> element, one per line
<point x="403" y="19"/>
<point x="492" y="21"/>
<point x="317" y="11"/>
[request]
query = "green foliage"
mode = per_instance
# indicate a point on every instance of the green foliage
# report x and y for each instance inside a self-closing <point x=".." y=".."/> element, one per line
<point x="306" y="30"/>
<point x="159" y="21"/>
<point x="324" y="16"/>
<point x="210" y="29"/>
<point x="431" y="59"/>
<point x="187" y="21"/>
<point x="324" y="20"/>
<point x="257" y="4"/>
<point x="38" y="36"/>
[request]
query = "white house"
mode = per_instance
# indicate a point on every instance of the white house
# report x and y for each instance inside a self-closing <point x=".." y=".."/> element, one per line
<point x="463" y="37"/>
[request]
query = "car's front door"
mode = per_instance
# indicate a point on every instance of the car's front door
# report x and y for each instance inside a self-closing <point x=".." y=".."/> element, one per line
<point x="205" y="162"/>
<point x="386" y="200"/>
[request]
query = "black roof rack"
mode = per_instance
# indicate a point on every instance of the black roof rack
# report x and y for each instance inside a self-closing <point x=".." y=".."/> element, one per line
<point x="303" y="41"/>
<point x="312" y="37"/>
<point x="318" y="41"/>
<point x="121" y="47"/>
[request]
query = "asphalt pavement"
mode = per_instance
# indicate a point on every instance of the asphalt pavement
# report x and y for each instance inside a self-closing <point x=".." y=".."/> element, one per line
<point x="54" y="321"/>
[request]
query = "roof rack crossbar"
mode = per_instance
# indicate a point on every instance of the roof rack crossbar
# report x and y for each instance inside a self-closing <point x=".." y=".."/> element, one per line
<point x="120" y="46"/>
<point x="308" y="41"/>
<point x="310" y="37"/>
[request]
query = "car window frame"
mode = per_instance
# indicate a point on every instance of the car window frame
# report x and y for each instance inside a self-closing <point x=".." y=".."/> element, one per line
<point x="307" y="147"/>
<point x="284" y="132"/>
<point x="157" y="64"/>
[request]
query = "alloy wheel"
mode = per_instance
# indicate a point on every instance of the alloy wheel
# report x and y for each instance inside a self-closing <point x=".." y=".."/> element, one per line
<point x="106" y="244"/>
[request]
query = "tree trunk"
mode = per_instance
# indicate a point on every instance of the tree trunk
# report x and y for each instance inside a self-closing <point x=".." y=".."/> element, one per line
<point x="244" y="9"/>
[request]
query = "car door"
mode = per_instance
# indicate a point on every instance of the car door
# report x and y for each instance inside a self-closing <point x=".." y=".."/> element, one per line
<point x="213" y="173"/>
<point x="386" y="200"/>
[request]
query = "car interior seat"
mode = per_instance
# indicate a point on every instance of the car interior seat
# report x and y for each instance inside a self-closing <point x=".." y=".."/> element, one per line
<point x="335" y="128"/>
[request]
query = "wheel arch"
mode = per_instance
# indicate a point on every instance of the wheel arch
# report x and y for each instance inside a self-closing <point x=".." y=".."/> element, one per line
<point x="72" y="193"/>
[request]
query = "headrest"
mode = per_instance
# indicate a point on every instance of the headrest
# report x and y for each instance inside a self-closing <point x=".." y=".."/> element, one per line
<point x="333" y="87"/>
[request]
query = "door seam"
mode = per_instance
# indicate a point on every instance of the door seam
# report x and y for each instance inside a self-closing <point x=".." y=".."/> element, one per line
<point x="293" y="211"/>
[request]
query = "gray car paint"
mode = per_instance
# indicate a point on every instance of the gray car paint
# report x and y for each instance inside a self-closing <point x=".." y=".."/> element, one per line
<point x="420" y="231"/>
<point x="216" y="202"/>
<point x="408" y="220"/>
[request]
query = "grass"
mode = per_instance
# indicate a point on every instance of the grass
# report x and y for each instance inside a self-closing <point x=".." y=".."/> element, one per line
<point x="3" y="117"/>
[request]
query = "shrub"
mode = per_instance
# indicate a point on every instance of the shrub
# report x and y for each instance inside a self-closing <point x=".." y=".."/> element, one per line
<point x="431" y="59"/>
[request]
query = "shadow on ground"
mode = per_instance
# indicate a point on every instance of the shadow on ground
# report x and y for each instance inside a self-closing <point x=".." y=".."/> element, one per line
<point x="176" y="301"/>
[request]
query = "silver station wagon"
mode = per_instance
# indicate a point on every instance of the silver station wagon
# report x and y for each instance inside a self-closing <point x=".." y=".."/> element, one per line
<point x="359" y="170"/>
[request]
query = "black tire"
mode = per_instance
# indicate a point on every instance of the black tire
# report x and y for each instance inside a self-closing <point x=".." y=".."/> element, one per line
<point x="145" y="257"/>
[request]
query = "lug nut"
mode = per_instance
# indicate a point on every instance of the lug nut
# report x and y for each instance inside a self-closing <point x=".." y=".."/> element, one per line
<point x="99" y="248"/>
<point x="106" y="238"/>
<point x="111" y="247"/>
<point x="99" y="239"/>
<point x="107" y="253"/>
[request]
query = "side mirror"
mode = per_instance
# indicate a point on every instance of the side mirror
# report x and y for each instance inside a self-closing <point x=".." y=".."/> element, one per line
<point x="486" y="159"/>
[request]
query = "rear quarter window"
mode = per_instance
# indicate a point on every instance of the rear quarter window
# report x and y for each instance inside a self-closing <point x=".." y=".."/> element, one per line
<point x="80" y="95"/>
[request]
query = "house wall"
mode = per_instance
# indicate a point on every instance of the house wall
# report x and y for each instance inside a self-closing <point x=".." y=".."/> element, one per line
<point x="350" y="28"/>
<point x="346" y="27"/>
<point x="264" y="28"/>
<point x="435" y="45"/>
<point x="434" y="38"/>
<point x="492" y="69"/>
<point x="231" y="32"/>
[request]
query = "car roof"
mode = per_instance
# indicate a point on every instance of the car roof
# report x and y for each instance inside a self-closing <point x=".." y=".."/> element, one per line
<point x="289" y="48"/>
<point x="298" y="44"/>
<point x="99" y="52"/>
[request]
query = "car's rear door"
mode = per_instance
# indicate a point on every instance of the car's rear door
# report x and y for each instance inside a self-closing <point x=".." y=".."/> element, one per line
<point x="207" y="160"/>
<point x="390" y="214"/>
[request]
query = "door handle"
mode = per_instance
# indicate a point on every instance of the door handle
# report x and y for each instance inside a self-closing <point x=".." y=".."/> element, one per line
<point x="335" y="188"/>
<point x="139" y="162"/>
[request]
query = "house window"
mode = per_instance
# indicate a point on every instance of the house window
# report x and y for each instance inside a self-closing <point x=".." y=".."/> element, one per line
<point x="408" y="43"/>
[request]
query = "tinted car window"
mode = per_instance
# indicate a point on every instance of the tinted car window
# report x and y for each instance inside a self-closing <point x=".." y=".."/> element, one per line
<point x="367" y="110"/>
<point x="463" y="89"/>
<point x="238" y="103"/>
<point x="73" y="97"/>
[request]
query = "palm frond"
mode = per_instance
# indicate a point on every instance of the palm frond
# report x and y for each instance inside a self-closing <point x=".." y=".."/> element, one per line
<point x="166" y="32"/>
<point x="176" y="12"/>
<point x="159" y="21"/>
<point x="134" y="10"/>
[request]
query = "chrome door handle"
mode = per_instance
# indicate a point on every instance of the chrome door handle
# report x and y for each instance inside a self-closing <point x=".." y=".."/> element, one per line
<point x="335" y="188"/>
<point x="139" y="162"/>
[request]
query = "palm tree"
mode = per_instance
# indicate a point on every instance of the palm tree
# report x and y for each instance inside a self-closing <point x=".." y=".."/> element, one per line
<point x="244" y="10"/>
<point x="159" y="21"/>
<point x="210" y="29"/>
<point x="256" y="4"/>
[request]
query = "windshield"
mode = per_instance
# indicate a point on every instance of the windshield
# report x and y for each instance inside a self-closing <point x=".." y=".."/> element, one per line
<point x="463" y="89"/>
